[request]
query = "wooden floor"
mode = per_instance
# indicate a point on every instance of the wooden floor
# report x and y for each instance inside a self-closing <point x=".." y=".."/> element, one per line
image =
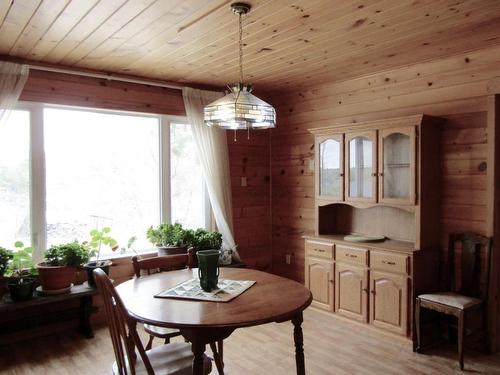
<point x="331" y="346"/>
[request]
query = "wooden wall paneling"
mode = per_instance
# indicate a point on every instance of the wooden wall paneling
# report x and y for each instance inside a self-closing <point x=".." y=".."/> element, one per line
<point x="19" y="13"/>
<point x="215" y="18"/>
<point x="67" y="89"/>
<point x="295" y="33"/>
<point x="60" y="25"/>
<point x="249" y="159"/>
<point x="463" y="139"/>
<point x="39" y="22"/>
<point x="493" y="214"/>
<point x="370" y="35"/>
<point x="133" y="40"/>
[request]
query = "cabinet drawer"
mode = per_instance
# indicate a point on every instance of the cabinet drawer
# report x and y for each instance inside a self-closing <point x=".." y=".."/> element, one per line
<point x="319" y="249"/>
<point x="351" y="255"/>
<point x="391" y="262"/>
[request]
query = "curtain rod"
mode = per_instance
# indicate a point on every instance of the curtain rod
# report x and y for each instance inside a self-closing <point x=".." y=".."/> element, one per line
<point x="103" y="76"/>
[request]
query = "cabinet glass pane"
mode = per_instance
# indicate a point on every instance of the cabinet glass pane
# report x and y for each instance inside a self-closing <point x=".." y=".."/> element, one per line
<point x="397" y="166"/>
<point x="360" y="167"/>
<point x="329" y="172"/>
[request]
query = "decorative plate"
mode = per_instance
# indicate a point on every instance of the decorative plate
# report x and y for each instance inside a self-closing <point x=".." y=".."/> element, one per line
<point x="362" y="238"/>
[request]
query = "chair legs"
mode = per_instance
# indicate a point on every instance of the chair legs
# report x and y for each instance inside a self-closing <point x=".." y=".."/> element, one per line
<point x="460" y="338"/>
<point x="417" y="325"/>
<point x="218" y="351"/>
<point x="150" y="342"/>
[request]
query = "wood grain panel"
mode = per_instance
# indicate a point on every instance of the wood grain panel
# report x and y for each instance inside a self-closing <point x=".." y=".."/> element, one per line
<point x="288" y="45"/>
<point x="249" y="159"/>
<point x="456" y="93"/>
<point x="73" y="90"/>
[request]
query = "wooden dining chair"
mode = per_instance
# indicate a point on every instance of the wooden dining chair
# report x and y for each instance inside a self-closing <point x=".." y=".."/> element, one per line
<point x="170" y="263"/>
<point x="467" y="289"/>
<point x="131" y="357"/>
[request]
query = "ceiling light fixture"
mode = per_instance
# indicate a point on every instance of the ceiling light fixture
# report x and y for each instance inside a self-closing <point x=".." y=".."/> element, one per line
<point x="239" y="109"/>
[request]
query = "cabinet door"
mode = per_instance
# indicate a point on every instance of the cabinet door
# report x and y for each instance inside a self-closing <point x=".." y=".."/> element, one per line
<point x="319" y="279"/>
<point x="361" y="168"/>
<point x="351" y="291"/>
<point x="330" y="171"/>
<point x="397" y="165"/>
<point x="389" y="301"/>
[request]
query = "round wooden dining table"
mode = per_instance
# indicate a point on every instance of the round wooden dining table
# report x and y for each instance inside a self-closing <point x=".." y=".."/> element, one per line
<point x="270" y="299"/>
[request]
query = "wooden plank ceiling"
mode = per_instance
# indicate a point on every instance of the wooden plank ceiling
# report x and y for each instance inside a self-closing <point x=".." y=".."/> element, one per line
<point x="288" y="44"/>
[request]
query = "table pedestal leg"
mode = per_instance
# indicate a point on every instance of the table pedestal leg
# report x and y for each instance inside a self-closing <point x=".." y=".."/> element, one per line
<point x="198" y="351"/>
<point x="299" y="343"/>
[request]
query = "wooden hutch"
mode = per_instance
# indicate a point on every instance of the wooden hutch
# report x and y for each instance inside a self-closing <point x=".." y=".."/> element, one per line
<point x="376" y="178"/>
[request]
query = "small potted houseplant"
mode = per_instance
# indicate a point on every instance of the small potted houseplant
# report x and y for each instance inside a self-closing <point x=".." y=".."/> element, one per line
<point x="169" y="238"/>
<point x="61" y="261"/>
<point x="5" y="257"/>
<point x="202" y="239"/>
<point x="98" y="238"/>
<point x="21" y="272"/>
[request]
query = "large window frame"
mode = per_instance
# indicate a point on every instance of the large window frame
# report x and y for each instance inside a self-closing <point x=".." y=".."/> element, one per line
<point x="37" y="171"/>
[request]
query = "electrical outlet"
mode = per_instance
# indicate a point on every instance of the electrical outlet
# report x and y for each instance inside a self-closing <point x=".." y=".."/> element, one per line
<point x="243" y="181"/>
<point x="288" y="258"/>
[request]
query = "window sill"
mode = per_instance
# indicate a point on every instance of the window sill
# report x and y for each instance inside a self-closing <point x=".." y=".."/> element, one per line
<point x="129" y="255"/>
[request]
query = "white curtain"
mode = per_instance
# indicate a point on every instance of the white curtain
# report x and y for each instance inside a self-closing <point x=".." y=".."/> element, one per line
<point x="212" y="149"/>
<point x="12" y="79"/>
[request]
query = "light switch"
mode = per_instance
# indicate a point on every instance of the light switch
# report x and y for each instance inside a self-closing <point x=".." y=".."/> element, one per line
<point x="243" y="181"/>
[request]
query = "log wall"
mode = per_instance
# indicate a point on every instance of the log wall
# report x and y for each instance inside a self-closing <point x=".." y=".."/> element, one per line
<point x="455" y="88"/>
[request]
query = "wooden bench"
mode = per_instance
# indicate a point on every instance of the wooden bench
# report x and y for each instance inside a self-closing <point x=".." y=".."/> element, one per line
<point x="48" y="309"/>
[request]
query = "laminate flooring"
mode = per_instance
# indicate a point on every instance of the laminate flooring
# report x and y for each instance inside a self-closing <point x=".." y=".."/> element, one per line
<point x="332" y="346"/>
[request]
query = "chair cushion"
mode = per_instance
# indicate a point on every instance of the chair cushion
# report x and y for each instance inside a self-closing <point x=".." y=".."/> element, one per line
<point x="172" y="359"/>
<point x="451" y="299"/>
<point x="161" y="332"/>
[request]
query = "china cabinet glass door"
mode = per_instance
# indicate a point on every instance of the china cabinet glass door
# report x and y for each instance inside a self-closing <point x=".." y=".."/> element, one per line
<point x="397" y="165"/>
<point x="361" y="166"/>
<point x="330" y="161"/>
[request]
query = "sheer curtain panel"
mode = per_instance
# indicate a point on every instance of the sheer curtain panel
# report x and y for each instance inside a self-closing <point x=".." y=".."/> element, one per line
<point x="212" y="148"/>
<point x="12" y="80"/>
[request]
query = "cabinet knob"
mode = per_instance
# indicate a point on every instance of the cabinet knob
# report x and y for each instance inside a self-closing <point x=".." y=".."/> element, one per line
<point x="365" y="290"/>
<point x="341" y="175"/>
<point x="380" y="174"/>
<point x="372" y="292"/>
<point x="374" y="175"/>
<point x="331" y="281"/>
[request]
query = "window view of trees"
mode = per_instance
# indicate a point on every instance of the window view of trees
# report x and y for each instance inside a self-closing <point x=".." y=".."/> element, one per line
<point x="14" y="179"/>
<point x="186" y="178"/>
<point x="101" y="169"/>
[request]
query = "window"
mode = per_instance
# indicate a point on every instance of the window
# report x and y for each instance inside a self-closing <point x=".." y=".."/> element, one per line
<point x="100" y="168"/>
<point x="15" y="179"/>
<point x="186" y="179"/>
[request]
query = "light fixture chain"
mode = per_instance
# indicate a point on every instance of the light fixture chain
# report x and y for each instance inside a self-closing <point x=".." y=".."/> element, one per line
<point x="240" y="36"/>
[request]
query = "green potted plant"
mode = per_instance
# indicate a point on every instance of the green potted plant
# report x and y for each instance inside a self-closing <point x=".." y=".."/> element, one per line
<point x="60" y="265"/>
<point x="98" y="238"/>
<point x="169" y="238"/>
<point x="202" y="239"/>
<point x="5" y="257"/>
<point x="21" y="272"/>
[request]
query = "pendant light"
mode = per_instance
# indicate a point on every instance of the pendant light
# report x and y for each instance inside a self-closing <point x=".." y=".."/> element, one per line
<point x="239" y="109"/>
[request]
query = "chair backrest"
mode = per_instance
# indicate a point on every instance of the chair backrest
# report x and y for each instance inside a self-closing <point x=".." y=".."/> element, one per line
<point x="121" y="327"/>
<point x="162" y="263"/>
<point x="472" y="278"/>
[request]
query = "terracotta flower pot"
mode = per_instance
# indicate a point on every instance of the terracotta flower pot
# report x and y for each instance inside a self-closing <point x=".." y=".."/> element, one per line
<point x="55" y="277"/>
<point x="171" y="250"/>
